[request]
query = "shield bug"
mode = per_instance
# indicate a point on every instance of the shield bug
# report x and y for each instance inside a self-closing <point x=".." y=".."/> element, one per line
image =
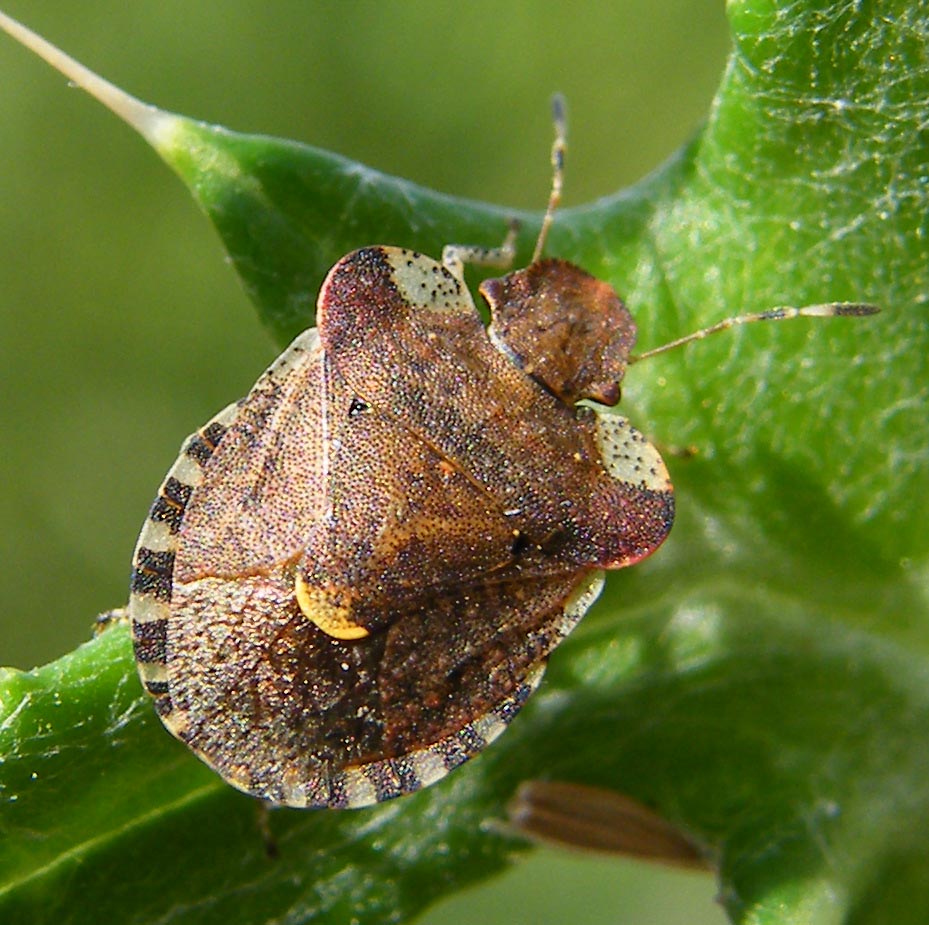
<point x="350" y="580"/>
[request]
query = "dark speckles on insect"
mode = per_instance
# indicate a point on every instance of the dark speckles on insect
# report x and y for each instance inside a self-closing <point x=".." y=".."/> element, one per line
<point x="350" y="581"/>
<point x="357" y="406"/>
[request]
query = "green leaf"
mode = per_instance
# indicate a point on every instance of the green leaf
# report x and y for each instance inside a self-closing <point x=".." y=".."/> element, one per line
<point x="763" y="681"/>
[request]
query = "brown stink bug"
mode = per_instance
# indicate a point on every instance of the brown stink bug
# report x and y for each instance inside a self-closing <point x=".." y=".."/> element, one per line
<point x="350" y="580"/>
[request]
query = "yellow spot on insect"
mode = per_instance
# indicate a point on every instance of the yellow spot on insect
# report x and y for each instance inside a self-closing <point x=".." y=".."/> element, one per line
<point x="325" y="608"/>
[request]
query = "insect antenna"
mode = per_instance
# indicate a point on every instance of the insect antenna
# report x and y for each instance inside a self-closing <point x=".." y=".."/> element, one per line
<point x="825" y="310"/>
<point x="558" y="150"/>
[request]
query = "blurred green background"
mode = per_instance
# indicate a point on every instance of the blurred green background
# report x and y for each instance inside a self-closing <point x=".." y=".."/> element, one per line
<point x="122" y="327"/>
